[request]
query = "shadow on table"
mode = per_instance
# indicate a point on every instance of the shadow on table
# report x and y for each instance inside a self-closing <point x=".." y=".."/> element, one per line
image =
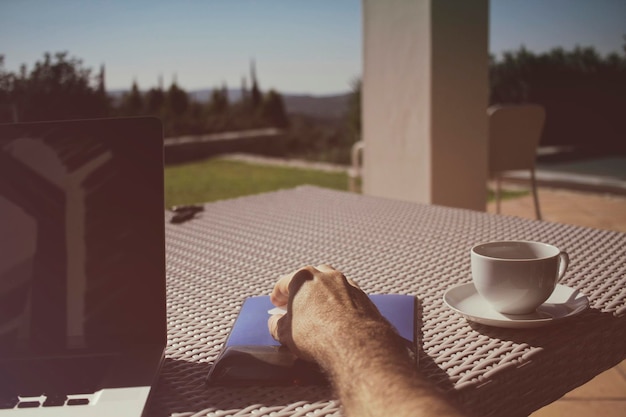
<point x="593" y="326"/>
<point x="426" y="365"/>
<point x="562" y="357"/>
<point x="181" y="389"/>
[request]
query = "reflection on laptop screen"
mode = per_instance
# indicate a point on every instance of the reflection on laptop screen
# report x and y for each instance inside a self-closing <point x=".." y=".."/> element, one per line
<point x="79" y="250"/>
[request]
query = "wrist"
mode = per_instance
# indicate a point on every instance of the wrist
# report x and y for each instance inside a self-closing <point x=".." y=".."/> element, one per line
<point x="361" y="343"/>
<point x="374" y="374"/>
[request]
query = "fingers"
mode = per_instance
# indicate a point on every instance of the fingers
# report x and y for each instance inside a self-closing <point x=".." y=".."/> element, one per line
<point x="325" y="268"/>
<point x="313" y="295"/>
<point x="272" y="324"/>
<point x="354" y="284"/>
<point x="328" y="268"/>
<point x="280" y="294"/>
<point x="279" y="326"/>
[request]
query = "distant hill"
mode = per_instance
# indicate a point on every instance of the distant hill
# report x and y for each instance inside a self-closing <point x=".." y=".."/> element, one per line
<point x="323" y="107"/>
<point x="204" y="95"/>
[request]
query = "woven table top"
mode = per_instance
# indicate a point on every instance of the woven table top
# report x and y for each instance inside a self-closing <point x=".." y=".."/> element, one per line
<point x="237" y="248"/>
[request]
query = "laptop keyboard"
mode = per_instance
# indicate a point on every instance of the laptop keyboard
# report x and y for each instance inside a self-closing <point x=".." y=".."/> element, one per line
<point x="51" y="382"/>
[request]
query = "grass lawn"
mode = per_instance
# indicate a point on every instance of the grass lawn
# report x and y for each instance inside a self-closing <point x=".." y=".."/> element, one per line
<point x="506" y="194"/>
<point x="218" y="179"/>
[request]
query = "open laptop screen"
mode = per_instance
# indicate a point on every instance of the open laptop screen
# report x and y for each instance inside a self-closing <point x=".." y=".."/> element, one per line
<point x="82" y="253"/>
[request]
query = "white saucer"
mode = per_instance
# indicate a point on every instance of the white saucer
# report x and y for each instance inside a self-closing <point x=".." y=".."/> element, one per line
<point x="563" y="303"/>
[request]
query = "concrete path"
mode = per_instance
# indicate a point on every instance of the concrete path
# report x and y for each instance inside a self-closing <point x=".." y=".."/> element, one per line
<point x="292" y="163"/>
<point x="599" y="210"/>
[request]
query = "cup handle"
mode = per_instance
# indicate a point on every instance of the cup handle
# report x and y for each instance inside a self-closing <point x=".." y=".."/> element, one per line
<point x="563" y="264"/>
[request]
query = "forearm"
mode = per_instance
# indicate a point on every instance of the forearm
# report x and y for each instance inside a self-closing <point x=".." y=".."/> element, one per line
<point x="331" y="321"/>
<point x="374" y="376"/>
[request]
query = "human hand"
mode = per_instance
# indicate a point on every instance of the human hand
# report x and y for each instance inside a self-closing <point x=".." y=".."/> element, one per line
<point x="331" y="321"/>
<point x="323" y="306"/>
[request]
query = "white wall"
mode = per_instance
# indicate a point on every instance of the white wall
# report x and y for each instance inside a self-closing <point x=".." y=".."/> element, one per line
<point x="425" y="95"/>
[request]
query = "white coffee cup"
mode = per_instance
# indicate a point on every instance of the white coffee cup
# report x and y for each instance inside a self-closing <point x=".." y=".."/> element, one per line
<point x="517" y="276"/>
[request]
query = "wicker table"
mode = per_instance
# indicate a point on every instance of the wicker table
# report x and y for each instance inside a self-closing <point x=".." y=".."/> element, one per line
<point x="237" y="248"/>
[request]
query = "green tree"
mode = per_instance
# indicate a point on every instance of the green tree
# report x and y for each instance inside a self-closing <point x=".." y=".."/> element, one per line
<point x="353" y="114"/>
<point x="273" y="110"/>
<point x="58" y="87"/>
<point x="177" y="100"/>
<point x="244" y="91"/>
<point x="219" y="101"/>
<point x="6" y="81"/>
<point x="155" y="101"/>
<point x="133" y="101"/>
<point x="584" y="93"/>
<point x="255" y="93"/>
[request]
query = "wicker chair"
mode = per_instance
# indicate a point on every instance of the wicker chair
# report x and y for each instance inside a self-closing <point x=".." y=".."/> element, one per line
<point x="514" y="133"/>
<point x="355" y="172"/>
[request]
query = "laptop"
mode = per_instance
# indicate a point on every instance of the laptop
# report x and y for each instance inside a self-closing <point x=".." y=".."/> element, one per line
<point x="82" y="267"/>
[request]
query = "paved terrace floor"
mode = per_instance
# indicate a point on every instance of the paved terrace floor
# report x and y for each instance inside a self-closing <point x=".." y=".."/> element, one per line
<point x="605" y="395"/>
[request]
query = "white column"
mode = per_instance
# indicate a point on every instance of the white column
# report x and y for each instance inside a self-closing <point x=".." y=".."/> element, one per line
<point x="425" y="95"/>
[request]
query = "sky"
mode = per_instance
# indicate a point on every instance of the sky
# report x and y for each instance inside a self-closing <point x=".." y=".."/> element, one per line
<point x="298" y="46"/>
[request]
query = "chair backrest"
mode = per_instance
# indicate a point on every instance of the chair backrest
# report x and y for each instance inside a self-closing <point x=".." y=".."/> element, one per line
<point x="356" y="157"/>
<point x="514" y="133"/>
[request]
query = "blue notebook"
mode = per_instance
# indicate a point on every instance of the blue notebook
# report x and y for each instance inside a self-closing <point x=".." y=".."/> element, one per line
<point x="252" y="357"/>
